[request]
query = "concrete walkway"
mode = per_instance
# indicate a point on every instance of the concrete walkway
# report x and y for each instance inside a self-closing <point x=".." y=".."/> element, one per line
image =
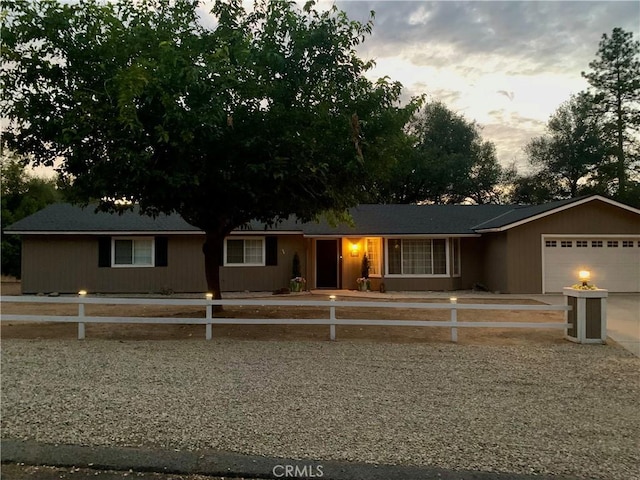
<point x="623" y="320"/>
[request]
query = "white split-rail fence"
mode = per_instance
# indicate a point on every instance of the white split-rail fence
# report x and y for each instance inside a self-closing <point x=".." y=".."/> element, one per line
<point x="81" y="319"/>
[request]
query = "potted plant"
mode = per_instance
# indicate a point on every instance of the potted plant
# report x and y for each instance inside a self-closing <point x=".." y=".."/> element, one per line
<point x="298" y="282"/>
<point x="364" y="284"/>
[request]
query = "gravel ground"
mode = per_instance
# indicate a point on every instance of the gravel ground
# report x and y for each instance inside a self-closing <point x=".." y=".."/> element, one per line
<point x="558" y="409"/>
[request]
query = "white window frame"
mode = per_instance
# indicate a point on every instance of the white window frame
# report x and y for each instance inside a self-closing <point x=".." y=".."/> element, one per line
<point x="417" y="275"/>
<point x="133" y="265"/>
<point x="244" y="264"/>
<point x="458" y="264"/>
<point x="378" y="261"/>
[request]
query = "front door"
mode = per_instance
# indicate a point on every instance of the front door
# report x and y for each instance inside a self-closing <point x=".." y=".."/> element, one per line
<point x="327" y="263"/>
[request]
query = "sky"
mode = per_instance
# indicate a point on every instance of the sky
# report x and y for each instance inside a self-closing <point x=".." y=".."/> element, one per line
<point x="508" y="65"/>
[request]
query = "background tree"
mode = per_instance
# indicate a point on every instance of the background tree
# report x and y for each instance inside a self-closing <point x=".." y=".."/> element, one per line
<point x="266" y="114"/>
<point x="615" y="80"/>
<point x="444" y="160"/>
<point x="22" y="195"/>
<point x="572" y="151"/>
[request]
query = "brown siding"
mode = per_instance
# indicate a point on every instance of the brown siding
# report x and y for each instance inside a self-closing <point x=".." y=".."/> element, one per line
<point x="471" y="267"/>
<point x="269" y="278"/>
<point x="67" y="264"/>
<point x="524" y="257"/>
<point x="417" y="284"/>
<point x="495" y="262"/>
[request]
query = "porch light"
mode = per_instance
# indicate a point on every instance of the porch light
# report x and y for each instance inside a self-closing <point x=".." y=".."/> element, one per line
<point x="453" y="299"/>
<point x="355" y="248"/>
<point x="209" y="296"/>
<point x="82" y="293"/>
<point x="584" y="276"/>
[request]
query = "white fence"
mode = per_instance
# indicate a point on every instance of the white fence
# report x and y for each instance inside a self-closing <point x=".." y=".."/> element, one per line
<point x="81" y="319"/>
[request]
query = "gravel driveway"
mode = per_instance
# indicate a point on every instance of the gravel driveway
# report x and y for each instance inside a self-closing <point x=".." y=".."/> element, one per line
<point x="559" y="409"/>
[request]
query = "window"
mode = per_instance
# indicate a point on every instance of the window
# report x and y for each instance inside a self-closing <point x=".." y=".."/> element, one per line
<point x="372" y="246"/>
<point x="627" y="243"/>
<point x="596" y="243"/>
<point x="417" y="256"/>
<point x="551" y="243"/>
<point x="455" y="256"/>
<point x="582" y="243"/>
<point x="132" y="252"/>
<point x="612" y="243"/>
<point x="566" y="243"/>
<point x="244" y="251"/>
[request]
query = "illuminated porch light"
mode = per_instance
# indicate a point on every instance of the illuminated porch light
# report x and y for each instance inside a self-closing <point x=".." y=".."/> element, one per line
<point x="82" y="293"/>
<point x="453" y="299"/>
<point x="209" y="296"/>
<point x="355" y="249"/>
<point x="584" y="276"/>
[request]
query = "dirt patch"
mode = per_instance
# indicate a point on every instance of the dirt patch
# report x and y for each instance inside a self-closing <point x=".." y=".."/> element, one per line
<point x="400" y="334"/>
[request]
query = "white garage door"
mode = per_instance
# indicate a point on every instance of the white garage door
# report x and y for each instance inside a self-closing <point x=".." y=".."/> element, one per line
<point x="614" y="263"/>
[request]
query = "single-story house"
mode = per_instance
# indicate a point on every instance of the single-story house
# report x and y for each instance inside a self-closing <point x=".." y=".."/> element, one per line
<point x="506" y="248"/>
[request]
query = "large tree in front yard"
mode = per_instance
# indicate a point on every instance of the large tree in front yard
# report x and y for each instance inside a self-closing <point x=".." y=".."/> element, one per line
<point x="241" y="115"/>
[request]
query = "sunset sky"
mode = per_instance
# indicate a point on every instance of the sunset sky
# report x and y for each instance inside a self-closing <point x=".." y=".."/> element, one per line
<point x="507" y="65"/>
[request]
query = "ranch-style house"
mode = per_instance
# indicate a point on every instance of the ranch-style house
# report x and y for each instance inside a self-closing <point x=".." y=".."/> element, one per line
<point x="505" y="248"/>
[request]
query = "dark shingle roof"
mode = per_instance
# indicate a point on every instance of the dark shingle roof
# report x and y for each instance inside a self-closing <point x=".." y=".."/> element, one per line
<point x="63" y="217"/>
<point x="410" y="220"/>
<point x="367" y="220"/>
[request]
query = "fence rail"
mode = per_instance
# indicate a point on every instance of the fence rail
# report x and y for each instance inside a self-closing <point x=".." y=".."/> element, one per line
<point x="81" y="319"/>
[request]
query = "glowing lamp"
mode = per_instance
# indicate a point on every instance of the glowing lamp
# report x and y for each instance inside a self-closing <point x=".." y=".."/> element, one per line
<point x="209" y="296"/>
<point x="355" y="248"/>
<point x="453" y="299"/>
<point x="584" y="276"/>
<point x="82" y="293"/>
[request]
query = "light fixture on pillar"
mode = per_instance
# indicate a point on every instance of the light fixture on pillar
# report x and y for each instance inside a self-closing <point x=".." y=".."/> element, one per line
<point x="584" y="276"/>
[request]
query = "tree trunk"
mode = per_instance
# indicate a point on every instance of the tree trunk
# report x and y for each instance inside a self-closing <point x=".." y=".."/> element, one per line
<point x="213" y="253"/>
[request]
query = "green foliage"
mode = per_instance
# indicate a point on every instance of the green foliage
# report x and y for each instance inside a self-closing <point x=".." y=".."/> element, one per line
<point x="443" y="160"/>
<point x="267" y="114"/>
<point x="571" y="154"/>
<point x="615" y="80"/>
<point x="296" y="270"/>
<point x="364" y="268"/>
<point x="22" y="195"/>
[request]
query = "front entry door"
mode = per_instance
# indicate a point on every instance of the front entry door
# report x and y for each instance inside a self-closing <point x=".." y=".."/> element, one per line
<point x="327" y="263"/>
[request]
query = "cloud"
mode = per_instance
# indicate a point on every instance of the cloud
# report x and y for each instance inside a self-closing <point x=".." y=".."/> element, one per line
<point x="535" y="35"/>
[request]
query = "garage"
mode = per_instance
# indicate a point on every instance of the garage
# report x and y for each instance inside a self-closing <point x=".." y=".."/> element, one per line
<point x="614" y="261"/>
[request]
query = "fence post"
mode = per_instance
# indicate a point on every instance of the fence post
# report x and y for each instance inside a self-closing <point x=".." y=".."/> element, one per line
<point x="332" y="316"/>
<point x="209" y="315"/>
<point x="454" y="319"/>
<point x="81" y="332"/>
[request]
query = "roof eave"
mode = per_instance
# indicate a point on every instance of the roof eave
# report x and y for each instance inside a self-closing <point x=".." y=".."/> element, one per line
<point x="556" y="210"/>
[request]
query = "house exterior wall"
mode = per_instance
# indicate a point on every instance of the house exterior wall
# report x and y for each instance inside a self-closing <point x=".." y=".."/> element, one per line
<point x="69" y="263"/>
<point x="471" y="264"/>
<point x="524" y="248"/>
<point x="268" y="278"/>
<point x="494" y="258"/>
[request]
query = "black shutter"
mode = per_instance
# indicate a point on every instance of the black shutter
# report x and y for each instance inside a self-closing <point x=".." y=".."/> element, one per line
<point x="104" y="252"/>
<point x="271" y="251"/>
<point x="162" y="251"/>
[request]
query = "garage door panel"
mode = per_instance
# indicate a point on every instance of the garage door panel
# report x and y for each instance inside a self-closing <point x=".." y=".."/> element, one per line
<point x="612" y="265"/>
